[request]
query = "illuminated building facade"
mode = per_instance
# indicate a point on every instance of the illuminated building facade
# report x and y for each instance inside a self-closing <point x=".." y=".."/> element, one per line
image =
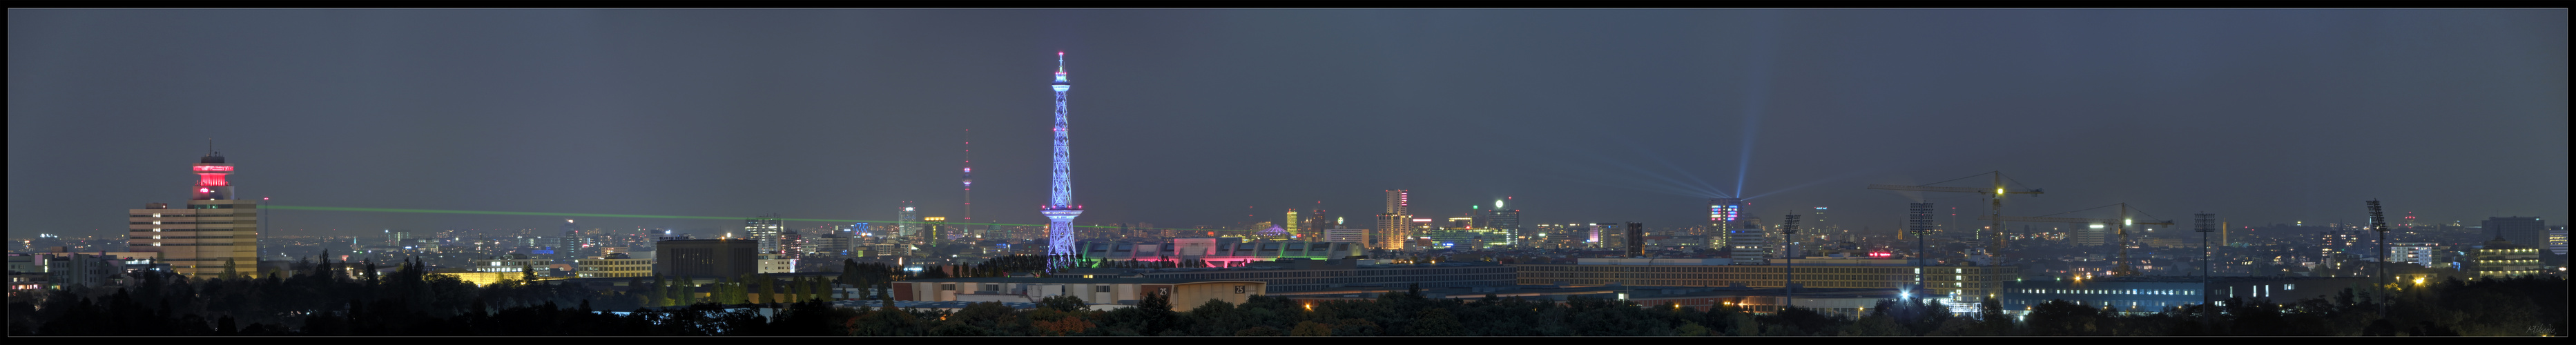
<point x="2152" y="294"/>
<point x="1393" y="228"/>
<point x="934" y="231"/>
<point x="766" y="229"/>
<point x="1747" y="242"/>
<point x="1507" y="222"/>
<point x="572" y="244"/>
<point x="1060" y="209"/>
<point x="2502" y="258"/>
<point x="1354" y="236"/>
<point x="1292" y="224"/>
<point x="1812" y="273"/>
<point x="1215" y="251"/>
<point x="907" y="228"/>
<point x="1722" y="212"/>
<point x="2419" y="253"/>
<point x="213" y="231"/>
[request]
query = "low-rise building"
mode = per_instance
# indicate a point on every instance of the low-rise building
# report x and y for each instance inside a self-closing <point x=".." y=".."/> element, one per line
<point x="1184" y="294"/>
<point x="1215" y="251"/>
<point x="1815" y="273"/>
<point x="1301" y="275"/>
<point x="2501" y="258"/>
<point x="612" y="266"/>
<point x="2156" y="294"/>
<point x="512" y="263"/>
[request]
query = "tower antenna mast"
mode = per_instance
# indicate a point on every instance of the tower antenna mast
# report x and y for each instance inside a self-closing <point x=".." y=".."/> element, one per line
<point x="1060" y="209"/>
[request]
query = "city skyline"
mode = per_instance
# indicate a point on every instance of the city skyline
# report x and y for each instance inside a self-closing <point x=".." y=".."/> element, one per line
<point x="1592" y="116"/>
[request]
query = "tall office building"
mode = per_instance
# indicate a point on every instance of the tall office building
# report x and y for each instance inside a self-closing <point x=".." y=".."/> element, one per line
<point x="1060" y="209"/>
<point x="215" y="230"/>
<point x="572" y="243"/>
<point x="2529" y="232"/>
<point x="907" y="225"/>
<point x="1722" y="213"/>
<point x="717" y="258"/>
<point x="1748" y="243"/>
<point x="1317" y="223"/>
<point x="791" y="243"/>
<point x="766" y="229"/>
<point x="1293" y="223"/>
<point x="396" y="238"/>
<point x="1508" y="222"/>
<point x="934" y="231"/>
<point x="1393" y="225"/>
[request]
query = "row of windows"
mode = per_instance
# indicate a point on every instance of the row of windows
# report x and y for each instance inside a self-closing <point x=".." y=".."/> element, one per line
<point x="177" y="222"/>
<point x="156" y="237"/>
<point x="2167" y="292"/>
<point x="1749" y="276"/>
<point x="1743" y="269"/>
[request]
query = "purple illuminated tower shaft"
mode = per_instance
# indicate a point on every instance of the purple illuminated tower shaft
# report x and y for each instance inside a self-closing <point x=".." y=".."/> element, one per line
<point x="1060" y="208"/>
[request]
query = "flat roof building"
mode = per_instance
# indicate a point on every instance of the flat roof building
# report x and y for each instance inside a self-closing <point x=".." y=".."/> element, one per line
<point x="1300" y="275"/>
<point x="214" y="230"/>
<point x="1812" y="273"/>
<point x="1215" y="251"/>
<point x="2139" y="295"/>
<point x="1185" y="294"/>
<point x="706" y="258"/>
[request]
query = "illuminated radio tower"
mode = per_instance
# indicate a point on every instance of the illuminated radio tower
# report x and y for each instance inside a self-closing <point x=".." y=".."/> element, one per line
<point x="1060" y="208"/>
<point x="968" y="178"/>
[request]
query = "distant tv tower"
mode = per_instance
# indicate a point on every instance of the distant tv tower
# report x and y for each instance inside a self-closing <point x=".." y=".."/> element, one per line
<point x="969" y="179"/>
<point x="1060" y="208"/>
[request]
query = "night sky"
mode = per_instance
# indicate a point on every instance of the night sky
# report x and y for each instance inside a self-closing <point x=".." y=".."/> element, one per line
<point x="1200" y="117"/>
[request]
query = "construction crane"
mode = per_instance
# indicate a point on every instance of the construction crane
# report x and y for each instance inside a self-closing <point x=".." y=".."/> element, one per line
<point x="2121" y="225"/>
<point x="1994" y="229"/>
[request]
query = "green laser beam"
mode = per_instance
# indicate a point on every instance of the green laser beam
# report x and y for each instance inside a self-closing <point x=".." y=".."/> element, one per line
<point x="608" y="215"/>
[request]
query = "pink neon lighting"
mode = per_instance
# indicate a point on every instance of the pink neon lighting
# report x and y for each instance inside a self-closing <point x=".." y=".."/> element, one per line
<point x="214" y="168"/>
<point x="204" y="180"/>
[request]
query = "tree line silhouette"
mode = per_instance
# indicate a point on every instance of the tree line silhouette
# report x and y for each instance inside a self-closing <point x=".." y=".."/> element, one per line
<point x="410" y="301"/>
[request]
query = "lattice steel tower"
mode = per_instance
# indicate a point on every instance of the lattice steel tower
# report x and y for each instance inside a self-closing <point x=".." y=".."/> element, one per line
<point x="1060" y="208"/>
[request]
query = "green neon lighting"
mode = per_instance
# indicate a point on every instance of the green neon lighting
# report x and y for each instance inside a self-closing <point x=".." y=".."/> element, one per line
<point x="608" y="215"/>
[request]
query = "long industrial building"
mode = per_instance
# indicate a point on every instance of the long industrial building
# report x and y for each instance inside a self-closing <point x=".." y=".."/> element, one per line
<point x="1978" y="281"/>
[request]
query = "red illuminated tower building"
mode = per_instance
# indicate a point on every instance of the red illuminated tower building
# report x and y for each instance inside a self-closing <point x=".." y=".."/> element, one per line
<point x="216" y="233"/>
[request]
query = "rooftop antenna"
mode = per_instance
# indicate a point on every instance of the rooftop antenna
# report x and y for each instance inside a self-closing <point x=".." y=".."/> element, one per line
<point x="210" y="147"/>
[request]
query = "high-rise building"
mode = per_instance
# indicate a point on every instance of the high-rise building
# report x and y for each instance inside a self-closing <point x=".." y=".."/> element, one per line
<point x="571" y="244"/>
<point x="1723" y="211"/>
<point x="1316" y="222"/>
<point x="1293" y="223"/>
<point x="1393" y="228"/>
<point x="214" y="233"/>
<point x="1748" y="242"/>
<point x="907" y="228"/>
<point x="791" y="243"/>
<point x="1060" y="209"/>
<point x="2528" y="232"/>
<point x="718" y="258"/>
<point x="1507" y="222"/>
<point x="767" y="229"/>
<point x="1635" y="243"/>
<point x="934" y="231"/>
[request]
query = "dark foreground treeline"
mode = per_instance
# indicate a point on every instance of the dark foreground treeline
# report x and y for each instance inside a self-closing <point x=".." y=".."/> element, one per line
<point x="411" y="304"/>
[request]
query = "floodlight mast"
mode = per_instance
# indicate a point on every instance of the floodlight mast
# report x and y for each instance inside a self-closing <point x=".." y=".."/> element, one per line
<point x="1789" y="281"/>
